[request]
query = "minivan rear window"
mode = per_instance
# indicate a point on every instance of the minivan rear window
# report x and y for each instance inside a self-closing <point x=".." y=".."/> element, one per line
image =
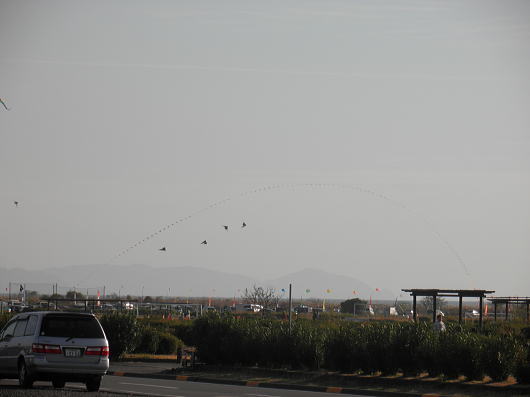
<point x="71" y="326"/>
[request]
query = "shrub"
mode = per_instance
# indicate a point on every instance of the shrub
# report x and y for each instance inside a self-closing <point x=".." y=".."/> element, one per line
<point x="522" y="367"/>
<point x="184" y="331"/>
<point x="4" y="318"/>
<point x="498" y="356"/>
<point x="168" y="343"/>
<point x="263" y="341"/>
<point x="370" y="347"/>
<point x="149" y="339"/>
<point x="122" y="332"/>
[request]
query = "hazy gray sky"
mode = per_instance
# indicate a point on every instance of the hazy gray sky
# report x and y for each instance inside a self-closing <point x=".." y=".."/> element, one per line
<point x="129" y="115"/>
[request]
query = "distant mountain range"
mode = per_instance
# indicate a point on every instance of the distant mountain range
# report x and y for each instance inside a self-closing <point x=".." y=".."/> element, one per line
<point x="183" y="281"/>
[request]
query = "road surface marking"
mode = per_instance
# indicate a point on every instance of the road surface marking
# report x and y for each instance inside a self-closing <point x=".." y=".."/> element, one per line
<point x="148" y="385"/>
<point x="141" y="393"/>
<point x="261" y="395"/>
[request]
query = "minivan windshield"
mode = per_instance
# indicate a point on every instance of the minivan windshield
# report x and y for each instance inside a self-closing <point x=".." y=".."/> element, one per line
<point x="71" y="326"/>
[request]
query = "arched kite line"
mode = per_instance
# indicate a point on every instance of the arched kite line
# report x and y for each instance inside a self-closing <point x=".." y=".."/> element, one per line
<point x="263" y="189"/>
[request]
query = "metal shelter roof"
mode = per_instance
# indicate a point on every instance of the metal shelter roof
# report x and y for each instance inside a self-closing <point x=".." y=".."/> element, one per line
<point x="465" y="293"/>
<point x="517" y="300"/>
<point x="510" y="300"/>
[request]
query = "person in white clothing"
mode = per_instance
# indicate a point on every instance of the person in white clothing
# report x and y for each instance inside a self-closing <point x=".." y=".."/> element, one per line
<point x="439" y="325"/>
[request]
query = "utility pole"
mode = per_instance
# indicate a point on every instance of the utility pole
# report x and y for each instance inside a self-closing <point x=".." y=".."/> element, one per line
<point x="290" y="308"/>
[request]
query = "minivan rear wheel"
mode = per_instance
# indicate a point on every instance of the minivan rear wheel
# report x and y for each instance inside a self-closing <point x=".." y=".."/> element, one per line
<point x="93" y="384"/>
<point x="58" y="383"/>
<point x="24" y="378"/>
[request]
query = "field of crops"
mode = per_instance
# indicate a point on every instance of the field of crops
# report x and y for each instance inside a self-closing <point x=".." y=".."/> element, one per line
<point x="498" y="350"/>
<point x="387" y="347"/>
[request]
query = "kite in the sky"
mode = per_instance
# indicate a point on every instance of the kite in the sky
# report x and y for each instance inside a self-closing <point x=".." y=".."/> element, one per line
<point x="16" y="203"/>
<point x="204" y="242"/>
<point x="3" y="103"/>
<point x="244" y="224"/>
<point x="226" y="227"/>
<point x="162" y="249"/>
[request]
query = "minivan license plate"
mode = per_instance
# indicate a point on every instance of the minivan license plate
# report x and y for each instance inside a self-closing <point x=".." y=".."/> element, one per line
<point x="72" y="352"/>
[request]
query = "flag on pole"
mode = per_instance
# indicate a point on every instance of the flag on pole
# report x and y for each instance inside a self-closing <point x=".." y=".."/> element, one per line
<point x="486" y="310"/>
<point x="21" y="288"/>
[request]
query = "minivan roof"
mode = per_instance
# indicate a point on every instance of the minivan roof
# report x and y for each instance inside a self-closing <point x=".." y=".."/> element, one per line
<point x="47" y="313"/>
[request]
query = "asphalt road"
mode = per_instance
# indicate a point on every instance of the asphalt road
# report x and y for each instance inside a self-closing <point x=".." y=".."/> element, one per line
<point x="174" y="388"/>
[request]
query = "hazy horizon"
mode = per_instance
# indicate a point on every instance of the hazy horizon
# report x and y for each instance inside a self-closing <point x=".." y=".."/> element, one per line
<point x="385" y="141"/>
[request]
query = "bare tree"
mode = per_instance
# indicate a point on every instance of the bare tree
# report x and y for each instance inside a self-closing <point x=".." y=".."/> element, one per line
<point x="428" y="300"/>
<point x="266" y="297"/>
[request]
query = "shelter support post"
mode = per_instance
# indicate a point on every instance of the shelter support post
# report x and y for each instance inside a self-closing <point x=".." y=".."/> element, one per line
<point x="460" y="309"/>
<point x="434" y="308"/>
<point x="495" y="311"/>
<point x="290" y="308"/>
<point x="480" y="319"/>
<point x="414" y="314"/>
<point x="506" y="312"/>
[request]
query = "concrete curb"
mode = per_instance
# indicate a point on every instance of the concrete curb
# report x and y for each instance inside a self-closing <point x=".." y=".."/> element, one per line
<point x="269" y="385"/>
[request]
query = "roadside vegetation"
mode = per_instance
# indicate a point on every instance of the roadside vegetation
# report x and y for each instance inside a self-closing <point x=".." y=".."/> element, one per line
<point x="499" y="350"/>
<point x="386" y="347"/>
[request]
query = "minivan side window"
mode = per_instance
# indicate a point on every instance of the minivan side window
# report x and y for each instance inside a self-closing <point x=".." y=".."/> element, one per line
<point x="32" y="324"/>
<point x="21" y="327"/>
<point x="9" y="330"/>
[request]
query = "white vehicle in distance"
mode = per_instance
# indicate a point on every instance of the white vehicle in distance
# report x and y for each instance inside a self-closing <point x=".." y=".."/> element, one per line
<point x="248" y="307"/>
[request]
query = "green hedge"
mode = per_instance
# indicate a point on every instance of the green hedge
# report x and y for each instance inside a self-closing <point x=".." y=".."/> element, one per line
<point x="386" y="347"/>
<point x="122" y="332"/>
<point x="4" y="318"/>
<point x="226" y="339"/>
<point x="154" y="341"/>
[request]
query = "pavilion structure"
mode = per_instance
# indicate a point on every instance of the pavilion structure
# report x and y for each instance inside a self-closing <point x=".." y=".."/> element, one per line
<point x="506" y="301"/>
<point x="453" y="293"/>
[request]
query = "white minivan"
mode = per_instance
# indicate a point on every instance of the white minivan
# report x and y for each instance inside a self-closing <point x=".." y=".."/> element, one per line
<point x="55" y="346"/>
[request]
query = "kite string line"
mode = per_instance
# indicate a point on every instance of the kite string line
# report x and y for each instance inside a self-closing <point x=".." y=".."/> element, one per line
<point x="168" y="226"/>
<point x="427" y="222"/>
<point x="308" y="185"/>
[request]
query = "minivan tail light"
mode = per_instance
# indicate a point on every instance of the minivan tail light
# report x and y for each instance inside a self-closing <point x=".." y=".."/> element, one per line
<point x="97" y="351"/>
<point x="105" y="351"/>
<point x="47" y="349"/>
<point x="37" y="348"/>
<point x="52" y="349"/>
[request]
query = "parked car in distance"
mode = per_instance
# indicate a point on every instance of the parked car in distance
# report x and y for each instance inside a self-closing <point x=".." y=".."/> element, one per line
<point x="247" y="307"/>
<point x="54" y="346"/>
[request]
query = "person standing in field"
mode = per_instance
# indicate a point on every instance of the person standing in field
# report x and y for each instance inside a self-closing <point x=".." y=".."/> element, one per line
<point x="439" y="325"/>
